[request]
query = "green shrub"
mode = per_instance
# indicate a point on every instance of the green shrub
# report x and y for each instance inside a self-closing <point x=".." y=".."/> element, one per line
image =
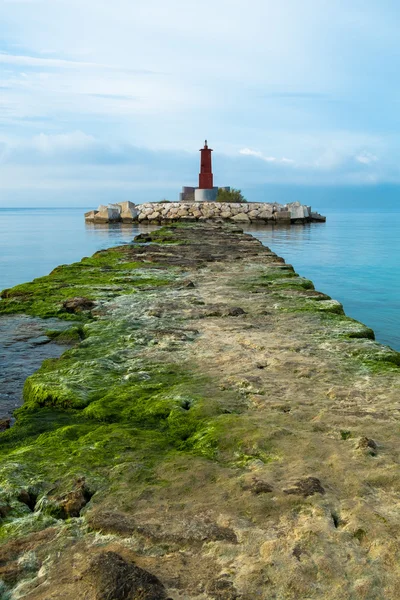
<point x="230" y="196"/>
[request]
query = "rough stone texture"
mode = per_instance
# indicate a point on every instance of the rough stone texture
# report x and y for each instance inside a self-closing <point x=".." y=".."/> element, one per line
<point x="298" y="211"/>
<point x="258" y="212"/>
<point x="78" y="304"/>
<point x="241" y="217"/>
<point x="113" y="578"/>
<point x="129" y="212"/>
<point x="282" y="215"/>
<point x="241" y="437"/>
<point x="306" y="487"/>
<point x="107" y="214"/>
<point x="89" y="216"/>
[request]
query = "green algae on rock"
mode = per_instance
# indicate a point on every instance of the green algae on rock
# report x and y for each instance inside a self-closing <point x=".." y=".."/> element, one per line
<point x="212" y="434"/>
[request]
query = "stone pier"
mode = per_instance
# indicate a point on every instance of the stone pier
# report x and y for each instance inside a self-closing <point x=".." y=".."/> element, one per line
<point x="165" y="212"/>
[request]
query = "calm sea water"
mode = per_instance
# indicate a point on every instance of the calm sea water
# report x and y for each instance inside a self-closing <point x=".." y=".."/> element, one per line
<point x="354" y="257"/>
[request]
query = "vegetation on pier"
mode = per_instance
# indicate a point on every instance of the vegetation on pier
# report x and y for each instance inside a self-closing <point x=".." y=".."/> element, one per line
<point x="213" y="405"/>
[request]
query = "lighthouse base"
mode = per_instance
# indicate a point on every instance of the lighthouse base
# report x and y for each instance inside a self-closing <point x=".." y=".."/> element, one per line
<point x="205" y="195"/>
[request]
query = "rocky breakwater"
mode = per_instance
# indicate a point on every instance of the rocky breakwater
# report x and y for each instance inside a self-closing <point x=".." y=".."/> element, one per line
<point x="220" y="431"/>
<point x="164" y="212"/>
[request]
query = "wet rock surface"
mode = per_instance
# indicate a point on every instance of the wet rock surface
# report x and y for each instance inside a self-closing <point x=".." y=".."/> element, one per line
<point x="232" y="439"/>
<point x="23" y="348"/>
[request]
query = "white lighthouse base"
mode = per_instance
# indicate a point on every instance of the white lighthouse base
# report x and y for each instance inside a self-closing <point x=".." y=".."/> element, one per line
<point x="209" y="195"/>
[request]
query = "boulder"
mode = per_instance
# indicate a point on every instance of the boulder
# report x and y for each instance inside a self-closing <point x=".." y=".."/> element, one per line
<point x="298" y="211"/>
<point x="258" y="486"/>
<point x="77" y="304"/>
<point x="154" y="216"/>
<point x="5" y="423"/>
<point x="89" y="216"/>
<point x="368" y="445"/>
<point x="129" y="212"/>
<point x="317" y="217"/>
<point x="107" y="214"/>
<point x="240" y="217"/>
<point x="111" y="577"/>
<point x="306" y="487"/>
<point x="265" y="215"/>
<point x="125" y="205"/>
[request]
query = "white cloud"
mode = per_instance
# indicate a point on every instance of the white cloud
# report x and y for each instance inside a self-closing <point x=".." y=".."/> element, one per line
<point x="286" y="92"/>
<point x="55" y="63"/>
<point x="366" y="158"/>
<point x="268" y="159"/>
<point x="76" y="140"/>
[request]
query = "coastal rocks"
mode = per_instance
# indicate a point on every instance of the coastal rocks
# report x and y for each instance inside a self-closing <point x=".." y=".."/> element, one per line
<point x="164" y="212"/>
<point x="317" y="218"/>
<point x="121" y="211"/>
<point x="298" y="211"/>
<point x="107" y="214"/>
<point x="241" y="217"/>
<point x="68" y="505"/>
<point x="258" y="486"/>
<point x="282" y="216"/>
<point x="128" y="212"/>
<point x="114" y="578"/>
<point x="367" y="445"/>
<point x="78" y="304"/>
<point x="5" y="424"/>
<point x="210" y="438"/>
<point x="306" y="487"/>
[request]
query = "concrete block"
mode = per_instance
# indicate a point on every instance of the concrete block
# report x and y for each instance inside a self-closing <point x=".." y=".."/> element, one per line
<point x="282" y="216"/>
<point x="109" y="214"/>
<point x="89" y="216"/>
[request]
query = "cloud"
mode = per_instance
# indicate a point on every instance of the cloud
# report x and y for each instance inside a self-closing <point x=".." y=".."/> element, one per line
<point x="57" y="63"/>
<point x="268" y="159"/>
<point x="67" y="141"/>
<point x="95" y="92"/>
<point x="296" y="95"/>
<point x="366" y="158"/>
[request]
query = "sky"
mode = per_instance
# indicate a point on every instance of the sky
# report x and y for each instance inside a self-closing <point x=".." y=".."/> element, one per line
<point x="108" y="101"/>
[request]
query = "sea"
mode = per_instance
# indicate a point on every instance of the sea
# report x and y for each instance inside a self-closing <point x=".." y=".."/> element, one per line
<point x="354" y="257"/>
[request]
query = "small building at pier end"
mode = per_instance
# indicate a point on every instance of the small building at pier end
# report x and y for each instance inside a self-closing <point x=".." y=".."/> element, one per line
<point x="206" y="191"/>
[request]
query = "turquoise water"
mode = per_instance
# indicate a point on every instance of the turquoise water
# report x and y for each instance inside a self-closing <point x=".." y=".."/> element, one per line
<point x="354" y="257"/>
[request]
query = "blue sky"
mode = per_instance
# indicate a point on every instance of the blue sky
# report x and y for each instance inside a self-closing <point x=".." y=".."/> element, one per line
<point x="113" y="99"/>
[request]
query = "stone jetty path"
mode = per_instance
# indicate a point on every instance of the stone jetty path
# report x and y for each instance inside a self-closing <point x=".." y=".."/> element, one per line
<point x="217" y="430"/>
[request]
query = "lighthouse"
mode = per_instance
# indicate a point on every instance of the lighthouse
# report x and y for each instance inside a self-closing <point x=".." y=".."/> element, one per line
<point x="205" y="175"/>
<point x="206" y="192"/>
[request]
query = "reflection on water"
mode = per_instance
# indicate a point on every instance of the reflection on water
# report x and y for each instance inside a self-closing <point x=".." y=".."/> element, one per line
<point x="122" y="232"/>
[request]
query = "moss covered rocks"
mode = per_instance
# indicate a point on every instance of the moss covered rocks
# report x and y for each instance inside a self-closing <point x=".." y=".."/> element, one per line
<point x="202" y="434"/>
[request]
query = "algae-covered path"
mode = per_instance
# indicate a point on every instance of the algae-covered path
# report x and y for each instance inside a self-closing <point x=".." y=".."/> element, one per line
<point x="218" y="430"/>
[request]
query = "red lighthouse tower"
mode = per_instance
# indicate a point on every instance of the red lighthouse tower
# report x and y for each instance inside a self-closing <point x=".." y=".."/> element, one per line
<point x="206" y="175"/>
